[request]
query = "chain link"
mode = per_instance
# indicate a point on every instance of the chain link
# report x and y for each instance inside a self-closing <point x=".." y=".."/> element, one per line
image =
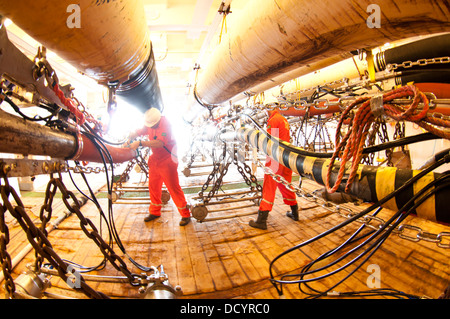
<point x="5" y="258"/>
<point x="216" y="172"/>
<point x="37" y="237"/>
<point x="420" y="62"/>
<point x="38" y="241"/>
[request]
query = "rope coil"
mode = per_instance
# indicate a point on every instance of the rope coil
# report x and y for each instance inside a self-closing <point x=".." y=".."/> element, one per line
<point x="352" y="144"/>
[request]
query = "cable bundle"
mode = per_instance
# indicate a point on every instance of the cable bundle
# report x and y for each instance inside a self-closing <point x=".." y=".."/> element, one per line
<point x="359" y="247"/>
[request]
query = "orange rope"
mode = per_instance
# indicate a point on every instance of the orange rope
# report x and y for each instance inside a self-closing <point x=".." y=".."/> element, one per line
<point x="73" y="108"/>
<point x="352" y="143"/>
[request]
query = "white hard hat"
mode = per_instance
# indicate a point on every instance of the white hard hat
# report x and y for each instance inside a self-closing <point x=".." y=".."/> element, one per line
<point x="152" y="117"/>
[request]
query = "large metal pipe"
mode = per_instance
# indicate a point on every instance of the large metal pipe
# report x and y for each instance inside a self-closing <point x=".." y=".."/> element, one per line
<point x="110" y="44"/>
<point x="19" y="136"/>
<point x="89" y="152"/>
<point x="372" y="184"/>
<point x="273" y="37"/>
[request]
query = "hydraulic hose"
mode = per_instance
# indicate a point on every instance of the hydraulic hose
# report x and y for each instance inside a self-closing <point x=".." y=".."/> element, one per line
<point x="432" y="47"/>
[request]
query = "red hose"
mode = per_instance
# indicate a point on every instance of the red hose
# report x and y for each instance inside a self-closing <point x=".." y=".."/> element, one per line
<point x="90" y="153"/>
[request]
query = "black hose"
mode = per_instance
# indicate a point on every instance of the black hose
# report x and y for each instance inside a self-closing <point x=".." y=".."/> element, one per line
<point x="367" y="150"/>
<point x="432" y="47"/>
<point x="423" y="76"/>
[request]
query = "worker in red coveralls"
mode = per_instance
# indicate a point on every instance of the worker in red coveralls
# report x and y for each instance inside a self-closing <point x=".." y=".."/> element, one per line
<point x="162" y="164"/>
<point x="277" y="126"/>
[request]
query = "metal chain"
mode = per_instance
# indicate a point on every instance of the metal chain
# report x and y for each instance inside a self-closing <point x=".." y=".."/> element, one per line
<point x="400" y="133"/>
<point x="38" y="237"/>
<point x="252" y="181"/>
<point x="78" y="169"/>
<point x="139" y="160"/>
<point x="93" y="234"/>
<point x="87" y="170"/>
<point x="420" y="62"/>
<point x="370" y="221"/>
<point x="45" y="216"/>
<point x="216" y="171"/>
<point x="5" y="258"/>
<point x="38" y="240"/>
<point x="384" y="138"/>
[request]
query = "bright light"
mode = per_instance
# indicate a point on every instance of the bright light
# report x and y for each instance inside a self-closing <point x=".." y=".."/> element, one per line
<point x="180" y="130"/>
<point x="125" y="120"/>
<point x="7" y="22"/>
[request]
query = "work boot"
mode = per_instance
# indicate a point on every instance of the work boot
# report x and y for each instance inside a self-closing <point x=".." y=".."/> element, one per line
<point x="293" y="213"/>
<point x="184" y="221"/>
<point x="261" y="220"/>
<point x="150" y="217"/>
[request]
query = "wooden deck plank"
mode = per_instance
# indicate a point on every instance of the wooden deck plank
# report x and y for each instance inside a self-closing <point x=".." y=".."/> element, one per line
<point x="216" y="268"/>
<point x="226" y="258"/>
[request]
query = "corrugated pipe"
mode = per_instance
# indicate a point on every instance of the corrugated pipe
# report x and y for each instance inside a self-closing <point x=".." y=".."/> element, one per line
<point x="437" y="76"/>
<point x="372" y="184"/>
<point x="428" y="48"/>
<point x="142" y="90"/>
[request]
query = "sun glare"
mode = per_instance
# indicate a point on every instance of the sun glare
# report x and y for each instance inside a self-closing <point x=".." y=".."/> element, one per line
<point x="125" y="120"/>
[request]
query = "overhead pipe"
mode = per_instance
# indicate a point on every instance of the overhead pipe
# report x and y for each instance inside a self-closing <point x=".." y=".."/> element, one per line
<point x="273" y="37"/>
<point x="20" y="136"/>
<point x="353" y="69"/>
<point x="111" y="44"/>
<point x="308" y="70"/>
<point x="373" y="183"/>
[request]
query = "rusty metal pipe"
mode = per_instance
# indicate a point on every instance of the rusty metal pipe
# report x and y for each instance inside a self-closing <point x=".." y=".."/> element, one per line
<point x="273" y="37"/>
<point x="19" y="136"/>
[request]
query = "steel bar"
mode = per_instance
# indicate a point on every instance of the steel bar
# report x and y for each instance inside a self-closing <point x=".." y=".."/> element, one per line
<point x="228" y="201"/>
<point x="227" y="194"/>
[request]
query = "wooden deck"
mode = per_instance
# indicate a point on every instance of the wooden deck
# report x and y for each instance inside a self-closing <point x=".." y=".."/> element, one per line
<point x="226" y="258"/>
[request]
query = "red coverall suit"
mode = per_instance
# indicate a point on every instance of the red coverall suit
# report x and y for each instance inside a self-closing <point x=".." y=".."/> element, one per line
<point x="162" y="168"/>
<point x="277" y="126"/>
